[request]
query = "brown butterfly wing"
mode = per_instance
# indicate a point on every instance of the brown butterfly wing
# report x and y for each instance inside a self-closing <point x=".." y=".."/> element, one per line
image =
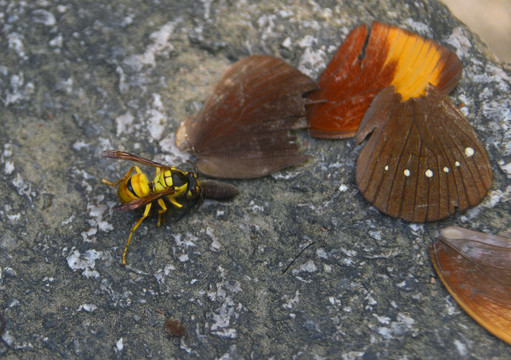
<point x="244" y="129"/>
<point x="422" y="160"/>
<point x="476" y="269"/>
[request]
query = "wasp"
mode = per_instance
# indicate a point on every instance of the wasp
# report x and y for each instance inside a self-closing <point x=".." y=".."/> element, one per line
<point x="136" y="191"/>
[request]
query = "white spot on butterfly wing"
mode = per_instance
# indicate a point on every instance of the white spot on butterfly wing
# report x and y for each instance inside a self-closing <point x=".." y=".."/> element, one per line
<point x="429" y="173"/>
<point x="407" y="172"/>
<point x="469" y="152"/>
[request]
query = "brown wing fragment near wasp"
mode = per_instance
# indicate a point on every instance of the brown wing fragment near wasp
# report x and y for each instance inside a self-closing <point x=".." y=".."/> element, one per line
<point x="476" y="269"/>
<point x="244" y="128"/>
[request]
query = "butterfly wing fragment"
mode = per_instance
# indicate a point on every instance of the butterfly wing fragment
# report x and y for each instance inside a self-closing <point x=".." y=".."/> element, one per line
<point x="476" y="269"/>
<point x="422" y="160"/>
<point x="244" y="128"/>
<point x="367" y="63"/>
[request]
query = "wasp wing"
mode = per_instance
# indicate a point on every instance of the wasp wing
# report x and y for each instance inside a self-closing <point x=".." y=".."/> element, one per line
<point x="116" y="154"/>
<point x="137" y="203"/>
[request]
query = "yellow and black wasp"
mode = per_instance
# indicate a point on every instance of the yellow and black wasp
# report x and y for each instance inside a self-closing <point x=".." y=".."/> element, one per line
<point x="169" y="184"/>
<point x="135" y="190"/>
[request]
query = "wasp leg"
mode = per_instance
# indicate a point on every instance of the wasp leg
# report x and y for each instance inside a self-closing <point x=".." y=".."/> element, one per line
<point x="174" y="202"/>
<point x="161" y="211"/>
<point x="128" y="174"/>
<point x="146" y="213"/>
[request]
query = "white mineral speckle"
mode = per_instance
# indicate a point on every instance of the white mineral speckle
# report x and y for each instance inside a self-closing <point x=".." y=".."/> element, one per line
<point x="157" y="118"/>
<point x="23" y="187"/>
<point x="96" y="209"/>
<point x="87" y="308"/>
<point x="312" y="60"/>
<point x="57" y="41"/>
<point x="343" y="188"/>
<point x="43" y="17"/>
<point x="266" y="24"/>
<point x="172" y="154"/>
<point x="375" y="235"/>
<point x="160" y="46"/>
<point x="124" y="123"/>
<point x="119" y="345"/>
<point x="225" y="316"/>
<point x="287" y="43"/>
<point x="19" y="91"/>
<point x="15" y="42"/>
<point x="384" y="320"/>
<point x="309" y="267"/>
<point x="459" y="40"/>
<point x="62" y="8"/>
<point x="80" y="145"/>
<point x="14" y="218"/>
<point x="254" y="207"/>
<point x="306" y="41"/>
<point x="402" y="326"/>
<point x="290" y="302"/>
<point x="9" y="167"/>
<point x="507" y="169"/>
<point x="322" y="253"/>
<point x="462" y="349"/>
<point x="86" y="262"/>
<point x="418" y="27"/>
<point x="189" y="239"/>
<point x="215" y="244"/>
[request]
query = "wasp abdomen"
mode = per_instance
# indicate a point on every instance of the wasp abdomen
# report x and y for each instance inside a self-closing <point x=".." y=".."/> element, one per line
<point x="134" y="187"/>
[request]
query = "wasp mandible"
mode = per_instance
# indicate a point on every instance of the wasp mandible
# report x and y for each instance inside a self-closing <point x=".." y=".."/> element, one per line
<point x="135" y="190"/>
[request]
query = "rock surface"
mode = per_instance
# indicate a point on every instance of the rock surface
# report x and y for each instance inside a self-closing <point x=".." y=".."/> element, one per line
<point x="80" y="77"/>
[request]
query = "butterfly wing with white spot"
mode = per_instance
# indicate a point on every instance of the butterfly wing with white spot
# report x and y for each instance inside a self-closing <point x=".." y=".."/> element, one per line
<point x="422" y="160"/>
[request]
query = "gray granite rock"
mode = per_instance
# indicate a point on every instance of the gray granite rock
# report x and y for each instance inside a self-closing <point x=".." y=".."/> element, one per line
<point x="80" y="77"/>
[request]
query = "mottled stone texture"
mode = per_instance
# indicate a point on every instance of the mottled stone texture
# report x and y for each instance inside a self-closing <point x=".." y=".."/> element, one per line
<point x="79" y="77"/>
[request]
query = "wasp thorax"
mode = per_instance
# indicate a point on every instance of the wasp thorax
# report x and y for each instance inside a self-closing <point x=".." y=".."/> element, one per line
<point x="171" y="178"/>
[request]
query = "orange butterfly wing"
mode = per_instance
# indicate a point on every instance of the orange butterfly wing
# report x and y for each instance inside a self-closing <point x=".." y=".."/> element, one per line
<point x="476" y="269"/>
<point x="365" y="64"/>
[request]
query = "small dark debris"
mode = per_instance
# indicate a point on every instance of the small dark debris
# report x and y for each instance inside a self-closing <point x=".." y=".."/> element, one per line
<point x="175" y="329"/>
